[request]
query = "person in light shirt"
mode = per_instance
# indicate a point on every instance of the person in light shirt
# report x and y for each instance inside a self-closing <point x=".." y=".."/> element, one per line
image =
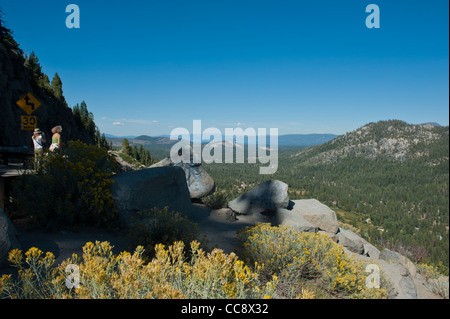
<point x="38" y="142"/>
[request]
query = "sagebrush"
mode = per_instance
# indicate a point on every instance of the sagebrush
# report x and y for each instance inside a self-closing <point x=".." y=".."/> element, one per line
<point x="300" y="259"/>
<point x="103" y="275"/>
<point x="70" y="188"/>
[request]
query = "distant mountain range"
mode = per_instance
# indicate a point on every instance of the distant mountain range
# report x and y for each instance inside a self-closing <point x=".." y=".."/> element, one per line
<point x="301" y="140"/>
<point x="397" y="139"/>
<point x="143" y="140"/>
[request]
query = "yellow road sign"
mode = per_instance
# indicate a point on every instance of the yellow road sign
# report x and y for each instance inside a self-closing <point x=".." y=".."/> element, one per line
<point x="28" y="123"/>
<point x="29" y="103"/>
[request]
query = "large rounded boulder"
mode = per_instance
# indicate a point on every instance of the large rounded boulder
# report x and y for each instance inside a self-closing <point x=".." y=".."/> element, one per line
<point x="148" y="188"/>
<point x="199" y="182"/>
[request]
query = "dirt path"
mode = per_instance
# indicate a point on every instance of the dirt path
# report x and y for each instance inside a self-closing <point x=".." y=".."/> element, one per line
<point x="216" y="225"/>
<point x="65" y="243"/>
<point x="221" y="230"/>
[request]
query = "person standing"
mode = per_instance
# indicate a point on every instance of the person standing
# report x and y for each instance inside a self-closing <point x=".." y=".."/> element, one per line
<point x="38" y="142"/>
<point x="56" y="138"/>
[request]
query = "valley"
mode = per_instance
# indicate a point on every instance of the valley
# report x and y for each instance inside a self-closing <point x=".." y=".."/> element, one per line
<point x="393" y="173"/>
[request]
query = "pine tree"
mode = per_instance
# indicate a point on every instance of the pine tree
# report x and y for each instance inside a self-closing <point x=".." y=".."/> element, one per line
<point x="126" y="148"/>
<point x="104" y="142"/>
<point x="44" y="82"/>
<point x="32" y="64"/>
<point x="87" y="120"/>
<point x="91" y="127"/>
<point x="56" y="86"/>
<point x="134" y="153"/>
<point x="141" y="154"/>
<point x="97" y="138"/>
<point x="77" y="115"/>
<point x="84" y="113"/>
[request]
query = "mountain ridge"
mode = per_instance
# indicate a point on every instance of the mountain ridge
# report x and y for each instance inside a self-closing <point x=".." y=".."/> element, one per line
<point x="301" y="140"/>
<point x="392" y="139"/>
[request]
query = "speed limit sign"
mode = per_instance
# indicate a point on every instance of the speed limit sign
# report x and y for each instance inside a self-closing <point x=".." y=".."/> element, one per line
<point x="28" y="123"/>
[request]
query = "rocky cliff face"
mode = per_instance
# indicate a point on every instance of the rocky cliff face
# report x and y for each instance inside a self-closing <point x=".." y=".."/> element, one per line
<point x="15" y="82"/>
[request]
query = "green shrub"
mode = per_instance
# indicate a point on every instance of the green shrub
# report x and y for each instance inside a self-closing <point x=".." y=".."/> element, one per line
<point x="69" y="189"/>
<point x="218" y="199"/>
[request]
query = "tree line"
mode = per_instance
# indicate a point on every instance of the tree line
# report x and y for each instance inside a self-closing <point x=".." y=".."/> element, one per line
<point x="85" y="120"/>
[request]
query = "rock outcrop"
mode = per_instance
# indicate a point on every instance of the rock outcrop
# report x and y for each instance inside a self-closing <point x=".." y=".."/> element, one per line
<point x="402" y="275"/>
<point x="295" y="220"/>
<point x="406" y="282"/>
<point x="392" y="256"/>
<point x="316" y="213"/>
<point x="148" y="188"/>
<point x="8" y="239"/>
<point x="266" y="198"/>
<point x="351" y="241"/>
<point x="199" y="182"/>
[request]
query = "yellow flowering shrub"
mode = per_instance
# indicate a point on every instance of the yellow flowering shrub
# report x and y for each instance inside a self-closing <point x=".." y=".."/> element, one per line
<point x="298" y="257"/>
<point x="305" y="294"/>
<point x="285" y="264"/>
<point x="105" y="275"/>
<point x="36" y="276"/>
<point x="70" y="188"/>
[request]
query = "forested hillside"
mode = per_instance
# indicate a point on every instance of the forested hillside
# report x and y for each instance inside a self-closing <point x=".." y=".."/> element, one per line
<point x="393" y="172"/>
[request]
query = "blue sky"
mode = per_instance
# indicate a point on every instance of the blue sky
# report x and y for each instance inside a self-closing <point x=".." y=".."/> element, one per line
<point x="144" y="67"/>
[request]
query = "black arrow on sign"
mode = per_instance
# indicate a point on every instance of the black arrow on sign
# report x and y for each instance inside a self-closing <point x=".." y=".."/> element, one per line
<point x="27" y="102"/>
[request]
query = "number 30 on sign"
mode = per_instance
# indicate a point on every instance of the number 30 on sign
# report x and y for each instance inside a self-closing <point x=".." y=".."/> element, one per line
<point x="28" y="122"/>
